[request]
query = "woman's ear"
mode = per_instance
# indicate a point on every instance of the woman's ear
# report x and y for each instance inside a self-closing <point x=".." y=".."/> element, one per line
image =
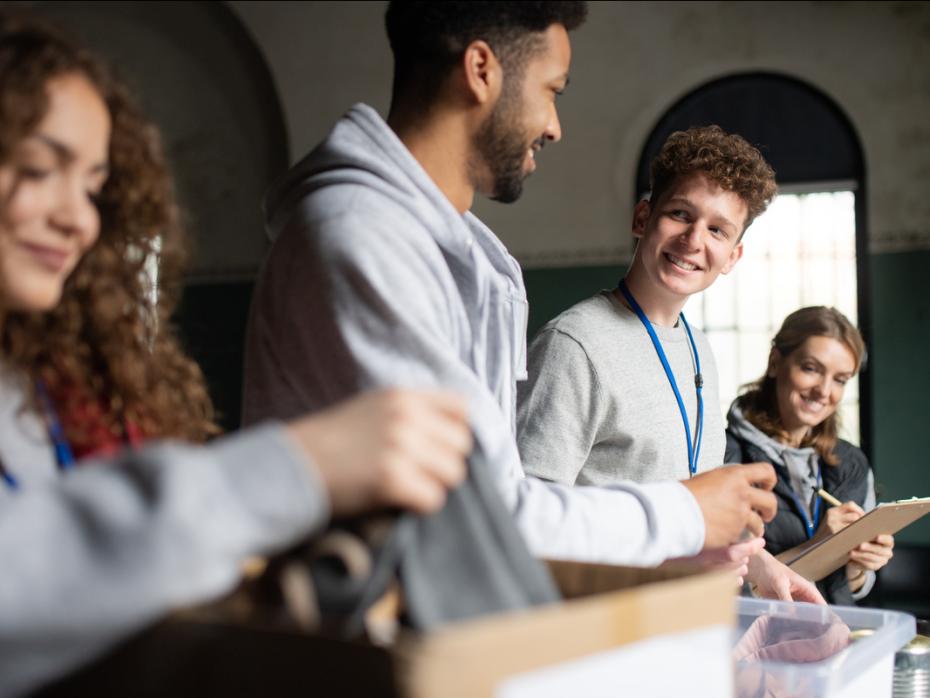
<point x="774" y="362"/>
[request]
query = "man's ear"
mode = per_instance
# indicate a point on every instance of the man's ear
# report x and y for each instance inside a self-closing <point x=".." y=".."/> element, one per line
<point x="640" y="218"/>
<point x="483" y="72"/>
<point x="735" y="255"/>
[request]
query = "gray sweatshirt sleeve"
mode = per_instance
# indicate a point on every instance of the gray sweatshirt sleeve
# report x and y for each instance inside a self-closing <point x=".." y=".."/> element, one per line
<point x="111" y="546"/>
<point x="351" y="303"/>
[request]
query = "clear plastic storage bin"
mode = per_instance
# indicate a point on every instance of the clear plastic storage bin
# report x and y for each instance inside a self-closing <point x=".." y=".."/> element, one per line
<point x="790" y="650"/>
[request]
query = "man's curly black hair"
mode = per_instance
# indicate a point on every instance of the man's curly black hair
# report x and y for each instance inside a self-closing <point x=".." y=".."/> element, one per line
<point x="428" y="38"/>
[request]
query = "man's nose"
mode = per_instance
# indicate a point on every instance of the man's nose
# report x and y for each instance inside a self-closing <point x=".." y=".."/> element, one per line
<point x="554" y="127"/>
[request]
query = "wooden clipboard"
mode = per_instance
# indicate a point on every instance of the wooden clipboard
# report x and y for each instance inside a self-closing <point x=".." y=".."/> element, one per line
<point x="822" y="558"/>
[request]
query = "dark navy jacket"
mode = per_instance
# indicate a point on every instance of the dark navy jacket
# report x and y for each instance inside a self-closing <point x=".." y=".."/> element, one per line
<point x="846" y="481"/>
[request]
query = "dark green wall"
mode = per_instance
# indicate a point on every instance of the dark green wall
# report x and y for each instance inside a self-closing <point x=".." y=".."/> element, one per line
<point x="551" y="291"/>
<point x="900" y="356"/>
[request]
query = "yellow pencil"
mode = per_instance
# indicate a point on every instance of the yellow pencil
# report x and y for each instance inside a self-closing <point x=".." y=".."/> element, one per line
<point x="829" y="498"/>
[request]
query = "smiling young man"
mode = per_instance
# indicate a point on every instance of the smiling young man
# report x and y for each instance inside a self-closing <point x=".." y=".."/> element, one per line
<point x="620" y="387"/>
<point x="380" y="275"/>
<point x="599" y="405"/>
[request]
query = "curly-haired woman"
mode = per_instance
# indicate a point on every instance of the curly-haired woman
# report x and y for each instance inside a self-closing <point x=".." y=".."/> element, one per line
<point x="620" y="387"/>
<point x="93" y="549"/>
<point x="788" y="418"/>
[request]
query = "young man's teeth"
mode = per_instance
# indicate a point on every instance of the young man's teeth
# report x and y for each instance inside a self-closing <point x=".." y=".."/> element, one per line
<point x="681" y="263"/>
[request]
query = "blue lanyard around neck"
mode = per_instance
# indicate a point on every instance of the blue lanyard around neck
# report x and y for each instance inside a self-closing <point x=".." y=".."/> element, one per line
<point x="694" y="449"/>
<point x="63" y="455"/>
<point x="810" y="522"/>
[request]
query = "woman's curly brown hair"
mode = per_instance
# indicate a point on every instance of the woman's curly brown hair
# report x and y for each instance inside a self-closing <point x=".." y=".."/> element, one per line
<point x="759" y="402"/>
<point x="726" y="159"/>
<point x="107" y="340"/>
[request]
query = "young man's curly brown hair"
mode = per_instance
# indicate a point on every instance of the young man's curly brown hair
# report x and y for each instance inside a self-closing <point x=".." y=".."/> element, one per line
<point x="107" y="340"/>
<point x="726" y="159"/>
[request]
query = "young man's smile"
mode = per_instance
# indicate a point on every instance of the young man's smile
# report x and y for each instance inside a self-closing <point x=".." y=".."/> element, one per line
<point x="690" y="236"/>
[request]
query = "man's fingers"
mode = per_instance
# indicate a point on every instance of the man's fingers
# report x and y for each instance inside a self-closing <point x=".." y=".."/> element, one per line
<point x="761" y="475"/>
<point x="763" y="503"/>
<point x="741" y="551"/>
<point x="755" y="524"/>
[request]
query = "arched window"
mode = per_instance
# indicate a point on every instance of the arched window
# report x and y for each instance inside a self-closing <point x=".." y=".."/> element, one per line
<point x="809" y="248"/>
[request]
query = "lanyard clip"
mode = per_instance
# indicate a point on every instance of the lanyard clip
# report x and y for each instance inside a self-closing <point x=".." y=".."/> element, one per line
<point x="698" y="381"/>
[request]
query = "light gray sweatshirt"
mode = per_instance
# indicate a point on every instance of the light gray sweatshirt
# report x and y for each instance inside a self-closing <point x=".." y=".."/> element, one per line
<point x="374" y="279"/>
<point x="90" y="556"/>
<point x="598" y="407"/>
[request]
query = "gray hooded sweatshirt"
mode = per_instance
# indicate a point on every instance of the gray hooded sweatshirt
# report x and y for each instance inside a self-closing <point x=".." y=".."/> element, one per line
<point x="91" y="556"/>
<point x="374" y="279"/>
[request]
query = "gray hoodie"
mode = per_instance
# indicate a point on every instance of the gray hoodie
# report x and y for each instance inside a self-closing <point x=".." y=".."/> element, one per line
<point x="374" y="279"/>
<point x="95" y="554"/>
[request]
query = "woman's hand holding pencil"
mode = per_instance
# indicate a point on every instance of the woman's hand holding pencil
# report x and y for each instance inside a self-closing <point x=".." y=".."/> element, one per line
<point x="838" y="516"/>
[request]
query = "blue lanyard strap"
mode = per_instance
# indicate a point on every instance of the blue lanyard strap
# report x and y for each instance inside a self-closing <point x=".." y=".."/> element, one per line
<point x="694" y="449"/>
<point x="55" y="431"/>
<point x="810" y="522"/>
<point x="63" y="454"/>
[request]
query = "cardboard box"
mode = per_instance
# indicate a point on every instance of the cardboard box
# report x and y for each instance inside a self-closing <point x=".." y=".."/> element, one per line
<point x="617" y="629"/>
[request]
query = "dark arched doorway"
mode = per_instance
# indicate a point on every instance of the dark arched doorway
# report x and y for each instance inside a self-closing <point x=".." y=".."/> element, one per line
<point x="812" y="146"/>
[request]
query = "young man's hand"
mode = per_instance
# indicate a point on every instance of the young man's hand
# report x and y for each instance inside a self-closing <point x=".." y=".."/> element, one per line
<point x="733" y="557"/>
<point x="388" y="448"/>
<point x="772" y="579"/>
<point x="734" y="499"/>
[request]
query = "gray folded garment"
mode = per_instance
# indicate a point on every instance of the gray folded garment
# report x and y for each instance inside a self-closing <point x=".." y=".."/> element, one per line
<point x="466" y="560"/>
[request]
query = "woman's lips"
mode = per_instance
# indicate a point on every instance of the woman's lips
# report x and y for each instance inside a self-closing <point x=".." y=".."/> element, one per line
<point x="51" y="258"/>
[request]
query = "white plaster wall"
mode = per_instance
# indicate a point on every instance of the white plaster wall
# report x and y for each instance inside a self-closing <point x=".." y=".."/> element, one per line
<point x="631" y="62"/>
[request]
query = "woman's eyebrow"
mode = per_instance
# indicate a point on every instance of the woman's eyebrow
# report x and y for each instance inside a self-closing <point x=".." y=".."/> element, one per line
<point x="64" y="153"/>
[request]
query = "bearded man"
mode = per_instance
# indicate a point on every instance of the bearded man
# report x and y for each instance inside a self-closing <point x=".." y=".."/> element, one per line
<point x="380" y="276"/>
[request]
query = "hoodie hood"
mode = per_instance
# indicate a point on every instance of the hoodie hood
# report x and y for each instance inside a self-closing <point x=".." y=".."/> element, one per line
<point x="801" y="463"/>
<point x="362" y="150"/>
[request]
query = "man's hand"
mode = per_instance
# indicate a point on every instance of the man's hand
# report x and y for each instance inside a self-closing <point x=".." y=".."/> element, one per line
<point x="773" y="580"/>
<point x="734" y="498"/>
<point x="733" y="557"/>
<point x="388" y="448"/>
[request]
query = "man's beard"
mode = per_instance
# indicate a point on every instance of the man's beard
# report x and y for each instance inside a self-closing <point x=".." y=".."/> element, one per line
<point x="502" y="146"/>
